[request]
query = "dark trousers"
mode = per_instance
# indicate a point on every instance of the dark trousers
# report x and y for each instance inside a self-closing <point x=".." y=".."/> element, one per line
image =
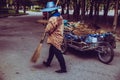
<point x="54" y="51"/>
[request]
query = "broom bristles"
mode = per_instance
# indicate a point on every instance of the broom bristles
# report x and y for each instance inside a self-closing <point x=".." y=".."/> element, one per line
<point x="36" y="54"/>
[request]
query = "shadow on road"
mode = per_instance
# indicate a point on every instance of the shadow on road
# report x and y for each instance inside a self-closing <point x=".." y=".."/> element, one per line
<point x="38" y="66"/>
<point x="83" y="54"/>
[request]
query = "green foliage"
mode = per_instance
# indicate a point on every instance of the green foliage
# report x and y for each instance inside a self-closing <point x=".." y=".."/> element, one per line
<point x="36" y="8"/>
<point x="9" y="12"/>
<point x="10" y="2"/>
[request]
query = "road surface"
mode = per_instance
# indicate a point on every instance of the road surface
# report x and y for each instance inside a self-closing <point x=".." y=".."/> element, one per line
<point x="19" y="36"/>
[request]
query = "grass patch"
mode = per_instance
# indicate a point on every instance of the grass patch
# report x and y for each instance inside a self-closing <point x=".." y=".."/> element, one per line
<point x="6" y="15"/>
<point x="37" y="10"/>
<point x="11" y="12"/>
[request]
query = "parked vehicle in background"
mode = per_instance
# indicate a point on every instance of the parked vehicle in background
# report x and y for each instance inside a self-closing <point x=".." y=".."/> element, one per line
<point x="103" y="44"/>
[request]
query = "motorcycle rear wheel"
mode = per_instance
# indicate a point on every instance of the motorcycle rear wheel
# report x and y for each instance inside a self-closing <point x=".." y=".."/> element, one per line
<point x="105" y="53"/>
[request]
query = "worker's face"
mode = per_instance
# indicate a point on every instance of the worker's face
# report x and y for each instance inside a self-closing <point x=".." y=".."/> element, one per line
<point x="49" y="14"/>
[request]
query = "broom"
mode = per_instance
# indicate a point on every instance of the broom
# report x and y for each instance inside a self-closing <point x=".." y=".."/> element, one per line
<point x="36" y="54"/>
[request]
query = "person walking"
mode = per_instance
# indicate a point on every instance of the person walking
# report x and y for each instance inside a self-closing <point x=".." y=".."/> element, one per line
<point x="54" y="29"/>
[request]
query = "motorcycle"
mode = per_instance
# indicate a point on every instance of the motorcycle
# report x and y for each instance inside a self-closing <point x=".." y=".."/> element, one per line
<point x="102" y="43"/>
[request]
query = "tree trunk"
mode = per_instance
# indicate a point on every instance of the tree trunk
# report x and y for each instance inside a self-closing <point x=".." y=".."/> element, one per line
<point x="76" y="10"/>
<point x="74" y="6"/>
<point x="24" y="9"/>
<point x="91" y="8"/>
<point x="83" y="10"/>
<point x="63" y="7"/>
<point x="63" y="3"/>
<point x="68" y="2"/>
<point x="96" y="15"/>
<point x="106" y="8"/>
<point x="17" y="8"/>
<point x="115" y="16"/>
<point x="16" y="5"/>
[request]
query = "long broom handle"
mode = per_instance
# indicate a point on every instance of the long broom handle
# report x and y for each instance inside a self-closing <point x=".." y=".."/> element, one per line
<point x="57" y="2"/>
<point x="44" y="35"/>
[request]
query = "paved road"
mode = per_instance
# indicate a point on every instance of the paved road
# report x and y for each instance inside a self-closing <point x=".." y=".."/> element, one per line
<point x="19" y="36"/>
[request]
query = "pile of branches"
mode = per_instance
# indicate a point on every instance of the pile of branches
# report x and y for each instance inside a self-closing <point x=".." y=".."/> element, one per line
<point x="83" y="29"/>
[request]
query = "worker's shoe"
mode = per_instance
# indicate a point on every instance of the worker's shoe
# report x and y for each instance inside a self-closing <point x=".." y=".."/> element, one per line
<point x="61" y="71"/>
<point x="46" y="64"/>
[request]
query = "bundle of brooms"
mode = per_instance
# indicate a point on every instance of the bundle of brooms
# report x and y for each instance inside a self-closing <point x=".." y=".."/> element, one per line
<point x="84" y="29"/>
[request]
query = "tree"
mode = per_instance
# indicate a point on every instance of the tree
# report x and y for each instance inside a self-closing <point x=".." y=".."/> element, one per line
<point x="16" y="5"/>
<point x="68" y="3"/>
<point x="96" y="11"/>
<point x="83" y="10"/>
<point x="63" y="3"/>
<point x="2" y="3"/>
<point x="106" y="8"/>
<point x="91" y="8"/>
<point x="25" y="3"/>
<point x="76" y="7"/>
<point x="115" y="22"/>
<point x="9" y="3"/>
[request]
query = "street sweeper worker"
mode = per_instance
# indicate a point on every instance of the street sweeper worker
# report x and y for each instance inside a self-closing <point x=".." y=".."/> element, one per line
<point x="54" y="29"/>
